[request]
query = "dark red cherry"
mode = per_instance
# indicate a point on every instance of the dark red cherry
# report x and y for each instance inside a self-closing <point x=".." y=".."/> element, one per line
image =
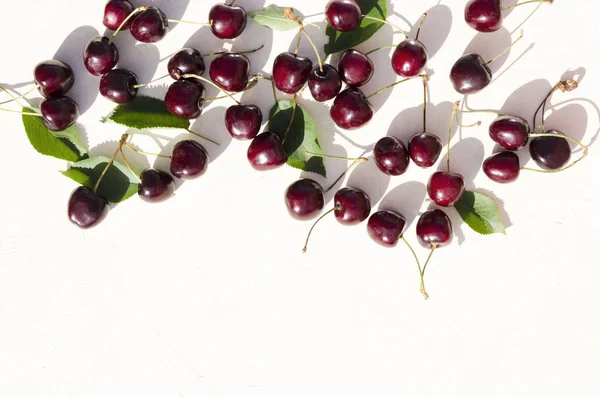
<point x="355" y="68"/>
<point x="324" y="85"/>
<point x="484" y="15"/>
<point x="470" y="74"/>
<point x="343" y="15"/>
<point x="510" y="132"/>
<point x="266" y="152"/>
<point x="386" y="227"/>
<point x="99" y="56"/>
<point x="186" y="61"/>
<point x="115" y="12"/>
<point x="189" y="160"/>
<point x="424" y="149"/>
<point x="290" y="72"/>
<point x="243" y="121"/>
<point x="304" y="199"/>
<point x="227" y="21"/>
<point x="184" y="98"/>
<point x="445" y="188"/>
<point x="352" y="206"/>
<point x="409" y="58"/>
<point x="550" y="153"/>
<point x="230" y="72"/>
<point x="59" y="113"/>
<point x="149" y="26"/>
<point x="86" y="208"/>
<point x="503" y="167"/>
<point x="53" y="78"/>
<point x="391" y="156"/>
<point x="434" y="227"/>
<point x="156" y="185"/>
<point x="351" y="109"/>
<point x="118" y="85"/>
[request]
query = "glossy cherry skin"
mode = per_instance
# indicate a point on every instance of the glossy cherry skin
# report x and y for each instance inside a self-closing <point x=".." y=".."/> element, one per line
<point x="324" y="85"/>
<point x="484" y="15"/>
<point x="352" y="206"/>
<point x="290" y="72"/>
<point x="184" y="98"/>
<point x="304" y="199"/>
<point x="118" y="85"/>
<point x="149" y="26"/>
<point x="99" y="56"/>
<point x="243" y="121"/>
<point x="186" y="61"/>
<point x="445" y="188"/>
<point x="409" y="58"/>
<point x="86" y="209"/>
<point x="343" y="15"/>
<point x="503" y="167"/>
<point x="156" y="185"/>
<point x="434" y="227"/>
<point x="510" y="132"/>
<point x="550" y="153"/>
<point x="391" y="156"/>
<point x="351" y="109"/>
<point x="227" y="21"/>
<point x="386" y="227"/>
<point x="470" y="74"/>
<point x="230" y="72"/>
<point x="115" y="12"/>
<point x="355" y="68"/>
<point x="266" y="152"/>
<point x="189" y="160"/>
<point x="424" y="149"/>
<point x="53" y="78"/>
<point x="59" y="113"/>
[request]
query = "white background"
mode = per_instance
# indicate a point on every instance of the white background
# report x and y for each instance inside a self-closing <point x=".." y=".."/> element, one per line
<point x="209" y="294"/>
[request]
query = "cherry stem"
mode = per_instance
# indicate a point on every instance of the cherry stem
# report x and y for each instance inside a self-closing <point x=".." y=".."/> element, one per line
<point x="314" y="47"/>
<point x="526" y="2"/>
<point x="274" y="91"/>
<point x="195" y="76"/>
<point x="418" y="265"/>
<point x="131" y="15"/>
<point x="563" y="86"/>
<point x="16" y="98"/>
<point x="339" y="178"/>
<point x="231" y="3"/>
<point x="129" y="165"/>
<point x="454" y="110"/>
<point x="483" y="111"/>
<point x="386" y="22"/>
<point x="112" y="159"/>
<point x="423" y="18"/>
<point x="20" y="112"/>
<point x="289" y="126"/>
<point x="130" y="147"/>
<point x="476" y="124"/>
<point x="212" y="54"/>
<point x="425" y="295"/>
<point x="390" y="86"/>
<point x="190" y="22"/>
<point x="381" y="48"/>
<point x="299" y="39"/>
<point x="327" y="156"/>
<point x="203" y="137"/>
<point x="506" y="49"/>
<point x="425" y="81"/>
<point x="150" y="82"/>
<point x="260" y="76"/>
<point x="313" y="226"/>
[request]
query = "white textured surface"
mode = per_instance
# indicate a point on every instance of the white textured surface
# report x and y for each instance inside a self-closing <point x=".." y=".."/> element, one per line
<point x="209" y="294"/>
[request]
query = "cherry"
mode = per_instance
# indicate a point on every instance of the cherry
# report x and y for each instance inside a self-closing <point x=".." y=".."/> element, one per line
<point x="470" y="74"/>
<point x="510" y="132"/>
<point x="351" y="109"/>
<point x="156" y="185"/>
<point x="352" y="206"/>
<point x="409" y="58"/>
<point x="290" y="72"/>
<point x="59" y="113"/>
<point x="502" y="167"/>
<point x="343" y="15"/>
<point x="184" y="98"/>
<point x="386" y="227"/>
<point x="100" y="55"/>
<point x="53" y="78"/>
<point x="391" y="156"/>
<point x="189" y="160"/>
<point x="266" y="152"/>
<point x="243" y="121"/>
<point x="227" y="21"/>
<point x="230" y="72"/>
<point x="119" y="85"/>
<point x="445" y="188"/>
<point x="550" y="153"/>
<point x="86" y="208"/>
<point x="324" y="85"/>
<point x="115" y="12"/>
<point x="434" y="229"/>
<point x="186" y="61"/>
<point x="484" y="15"/>
<point x="355" y="68"/>
<point x="304" y="199"/>
<point x="149" y="25"/>
<point x="424" y="149"/>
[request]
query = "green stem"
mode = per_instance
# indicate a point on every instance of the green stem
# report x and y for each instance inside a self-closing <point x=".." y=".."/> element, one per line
<point x="299" y="39"/>
<point x="477" y="123"/>
<point x="150" y="82"/>
<point x="203" y="137"/>
<point x="389" y="86"/>
<point x="195" y="76"/>
<point x="130" y="147"/>
<point x="129" y="165"/>
<point x="425" y="81"/>
<point x="190" y="22"/>
<point x="313" y="226"/>
<point x="483" y="111"/>
<point x="506" y="49"/>
<point x="386" y="22"/>
<point x="238" y="52"/>
<point x="20" y="112"/>
<point x="289" y="126"/>
<point x="314" y="48"/>
<point x="357" y="161"/>
<point x="16" y="98"/>
<point x="112" y="159"/>
<point x="526" y="2"/>
<point x="381" y="48"/>
<point x="425" y="295"/>
<point x="131" y="15"/>
<point x="454" y="110"/>
<point x="328" y="156"/>
<point x="424" y="17"/>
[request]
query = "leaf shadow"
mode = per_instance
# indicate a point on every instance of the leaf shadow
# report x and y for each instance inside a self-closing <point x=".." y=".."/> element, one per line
<point x="506" y="221"/>
<point x="406" y="199"/>
<point x="368" y="177"/>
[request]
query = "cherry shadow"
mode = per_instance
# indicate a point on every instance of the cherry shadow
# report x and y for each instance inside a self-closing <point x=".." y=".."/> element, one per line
<point x="466" y="158"/>
<point x="524" y="101"/>
<point x="368" y="177"/>
<point x="489" y="45"/>
<point x="211" y="124"/>
<point x="142" y="59"/>
<point x="410" y="122"/>
<point x="174" y="10"/>
<point x="406" y="199"/>
<point x="253" y="36"/>
<point x="435" y="30"/>
<point x="571" y="120"/>
<point x="577" y="74"/>
<point x="204" y="41"/>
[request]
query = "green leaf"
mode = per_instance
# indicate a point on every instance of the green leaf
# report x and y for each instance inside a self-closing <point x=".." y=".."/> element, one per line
<point x="480" y="212"/>
<point x="302" y="136"/>
<point x="118" y="184"/>
<point x="274" y="17"/>
<point x="339" y="41"/>
<point x="64" y="145"/>
<point x="146" y="112"/>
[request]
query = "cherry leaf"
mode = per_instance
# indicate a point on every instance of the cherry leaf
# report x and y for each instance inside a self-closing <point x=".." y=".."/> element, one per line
<point x="145" y="112"/>
<point x="274" y="17"/>
<point x="480" y="212"/>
